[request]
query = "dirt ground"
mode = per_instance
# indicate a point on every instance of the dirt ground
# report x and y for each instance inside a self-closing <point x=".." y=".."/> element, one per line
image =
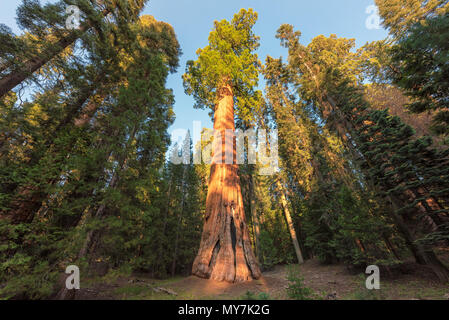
<point x="334" y="282"/>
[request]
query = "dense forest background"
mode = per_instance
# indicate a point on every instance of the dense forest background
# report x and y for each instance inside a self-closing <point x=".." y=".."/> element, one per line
<point x="86" y="176"/>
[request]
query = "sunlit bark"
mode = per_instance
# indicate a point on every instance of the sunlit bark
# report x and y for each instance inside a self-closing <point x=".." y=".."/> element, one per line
<point x="225" y="252"/>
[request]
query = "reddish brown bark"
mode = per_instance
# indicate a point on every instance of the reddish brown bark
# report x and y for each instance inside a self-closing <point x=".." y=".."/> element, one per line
<point x="27" y="202"/>
<point x="8" y="82"/>
<point x="225" y="252"/>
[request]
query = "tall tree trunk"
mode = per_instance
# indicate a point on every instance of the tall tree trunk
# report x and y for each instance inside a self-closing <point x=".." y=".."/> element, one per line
<point x="423" y="254"/>
<point x="178" y="224"/>
<point x="225" y="252"/>
<point x="290" y="225"/>
<point x="11" y="80"/>
<point x="254" y="216"/>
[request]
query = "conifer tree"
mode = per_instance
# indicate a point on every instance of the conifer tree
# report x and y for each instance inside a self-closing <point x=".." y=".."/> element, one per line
<point x="399" y="15"/>
<point x="49" y="22"/>
<point x="92" y="182"/>
<point x="225" y="75"/>
<point x="410" y="190"/>
<point x="317" y="164"/>
<point x="421" y="59"/>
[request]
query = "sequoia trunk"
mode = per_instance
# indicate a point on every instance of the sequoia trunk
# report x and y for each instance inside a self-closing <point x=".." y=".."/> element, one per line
<point x="225" y="252"/>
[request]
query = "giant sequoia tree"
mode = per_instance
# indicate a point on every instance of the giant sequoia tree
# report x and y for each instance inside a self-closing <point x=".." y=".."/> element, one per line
<point x="225" y="75"/>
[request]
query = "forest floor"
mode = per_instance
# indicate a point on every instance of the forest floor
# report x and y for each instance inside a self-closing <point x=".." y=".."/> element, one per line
<point x="411" y="282"/>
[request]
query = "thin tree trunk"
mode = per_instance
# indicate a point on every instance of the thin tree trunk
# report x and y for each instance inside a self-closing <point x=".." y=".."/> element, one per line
<point x="167" y="211"/>
<point x="175" y="253"/>
<point x="225" y="252"/>
<point x="254" y="216"/>
<point x="79" y="114"/>
<point x="360" y="245"/>
<point x="178" y="224"/>
<point x="112" y="184"/>
<point x="290" y="225"/>
<point x="422" y="255"/>
<point x="10" y="81"/>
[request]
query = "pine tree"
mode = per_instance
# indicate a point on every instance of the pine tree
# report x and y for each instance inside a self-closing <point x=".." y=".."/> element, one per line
<point x="38" y="20"/>
<point x="421" y="59"/>
<point x="405" y="183"/>
<point x="383" y="96"/>
<point x="91" y="182"/>
<point x="399" y="15"/>
<point x="321" y="176"/>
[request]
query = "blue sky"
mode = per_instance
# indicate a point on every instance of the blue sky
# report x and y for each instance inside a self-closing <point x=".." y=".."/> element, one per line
<point x="193" y="20"/>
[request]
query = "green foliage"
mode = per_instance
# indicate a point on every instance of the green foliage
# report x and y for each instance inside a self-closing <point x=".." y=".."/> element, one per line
<point x="296" y="288"/>
<point x="337" y="215"/>
<point x="422" y="71"/>
<point x="84" y="177"/>
<point x="249" y="295"/>
<point x="345" y="227"/>
<point x="275" y="242"/>
<point x="365" y="294"/>
<point x="359" y="184"/>
<point x="374" y="62"/>
<point x="399" y="15"/>
<point x="81" y="160"/>
<point x="130" y="291"/>
<point x="268" y="256"/>
<point x="229" y="59"/>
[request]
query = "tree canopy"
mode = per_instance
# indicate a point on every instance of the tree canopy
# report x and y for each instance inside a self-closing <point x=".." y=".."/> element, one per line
<point x="229" y="58"/>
